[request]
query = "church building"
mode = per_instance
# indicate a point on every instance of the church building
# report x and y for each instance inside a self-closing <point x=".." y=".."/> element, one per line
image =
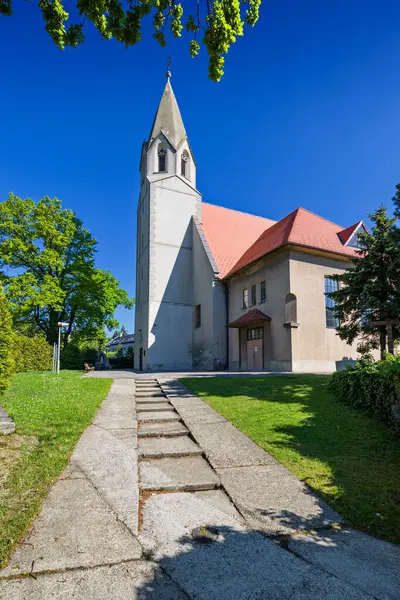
<point x="222" y="289"/>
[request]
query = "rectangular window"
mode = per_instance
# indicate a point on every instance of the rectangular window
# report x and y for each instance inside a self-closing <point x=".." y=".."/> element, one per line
<point x="197" y="315"/>
<point x="330" y="285"/>
<point x="245" y="298"/>
<point x="253" y="295"/>
<point x="255" y="334"/>
<point x="263" y="292"/>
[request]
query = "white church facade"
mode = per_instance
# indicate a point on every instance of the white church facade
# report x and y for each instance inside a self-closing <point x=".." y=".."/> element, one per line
<point x="221" y="289"/>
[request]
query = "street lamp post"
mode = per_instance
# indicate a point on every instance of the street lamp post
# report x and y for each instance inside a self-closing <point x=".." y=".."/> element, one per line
<point x="60" y="324"/>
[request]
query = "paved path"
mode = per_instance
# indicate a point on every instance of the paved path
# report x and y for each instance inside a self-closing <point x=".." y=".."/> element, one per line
<point x="7" y="425"/>
<point x="164" y="499"/>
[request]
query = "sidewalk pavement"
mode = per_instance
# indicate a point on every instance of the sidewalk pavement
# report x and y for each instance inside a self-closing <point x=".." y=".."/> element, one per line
<point x="164" y="499"/>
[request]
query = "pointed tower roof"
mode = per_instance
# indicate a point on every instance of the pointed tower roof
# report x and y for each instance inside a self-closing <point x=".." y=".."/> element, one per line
<point x="168" y="118"/>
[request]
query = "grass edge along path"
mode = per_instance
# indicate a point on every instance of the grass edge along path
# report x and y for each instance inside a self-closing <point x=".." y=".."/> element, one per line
<point x="349" y="459"/>
<point x="50" y="413"/>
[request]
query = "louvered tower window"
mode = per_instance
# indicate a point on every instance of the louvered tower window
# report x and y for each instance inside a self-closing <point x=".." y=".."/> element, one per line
<point x="185" y="164"/>
<point x="162" y="159"/>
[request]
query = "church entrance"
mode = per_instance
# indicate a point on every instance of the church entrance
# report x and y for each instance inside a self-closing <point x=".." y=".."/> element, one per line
<point x="255" y="348"/>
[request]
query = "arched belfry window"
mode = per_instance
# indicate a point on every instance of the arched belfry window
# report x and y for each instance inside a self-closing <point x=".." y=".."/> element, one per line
<point x="185" y="164"/>
<point x="162" y="159"/>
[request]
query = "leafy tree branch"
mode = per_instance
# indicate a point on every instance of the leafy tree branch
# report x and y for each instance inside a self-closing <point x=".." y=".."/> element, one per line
<point x="222" y="23"/>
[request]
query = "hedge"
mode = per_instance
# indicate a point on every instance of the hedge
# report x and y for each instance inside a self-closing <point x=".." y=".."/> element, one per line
<point x="373" y="387"/>
<point x="6" y="341"/>
<point x="121" y="359"/>
<point x="32" y="354"/>
<point x="73" y="357"/>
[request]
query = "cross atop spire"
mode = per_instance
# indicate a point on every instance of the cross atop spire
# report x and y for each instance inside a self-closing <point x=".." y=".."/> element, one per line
<point x="168" y="73"/>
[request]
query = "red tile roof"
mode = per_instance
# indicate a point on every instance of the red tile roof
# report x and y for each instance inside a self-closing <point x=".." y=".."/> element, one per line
<point x="230" y="233"/>
<point x="345" y="234"/>
<point x="301" y="228"/>
<point x="253" y="316"/>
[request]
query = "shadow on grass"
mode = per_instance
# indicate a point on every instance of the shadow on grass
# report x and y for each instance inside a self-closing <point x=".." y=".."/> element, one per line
<point x="348" y="458"/>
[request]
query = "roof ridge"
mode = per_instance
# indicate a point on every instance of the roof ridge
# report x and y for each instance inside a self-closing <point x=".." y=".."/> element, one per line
<point x="241" y="212"/>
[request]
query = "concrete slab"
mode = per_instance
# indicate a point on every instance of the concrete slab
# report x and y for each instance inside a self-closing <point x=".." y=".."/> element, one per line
<point x="219" y="500"/>
<point x="177" y="474"/>
<point x="202" y="418"/>
<point x="274" y="501"/>
<point x="367" y="563"/>
<point x="195" y="409"/>
<point x="75" y="528"/>
<point x="116" y="412"/>
<point x="171" y="428"/>
<point x="226" y="446"/>
<point x="167" y="446"/>
<point x="72" y="471"/>
<point x="239" y="565"/>
<point x="155" y="406"/>
<point x="133" y="580"/>
<point x="111" y="465"/>
<point x="7" y="425"/>
<point x="128" y="436"/>
<point x="188" y="401"/>
<point x="167" y="415"/>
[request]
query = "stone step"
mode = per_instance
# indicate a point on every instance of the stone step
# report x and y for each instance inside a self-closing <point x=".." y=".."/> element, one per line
<point x="165" y="429"/>
<point x="156" y="394"/>
<point x="148" y="387"/>
<point x="157" y="406"/>
<point x="165" y="415"/>
<point x="150" y="400"/>
<point x="180" y="474"/>
<point x="167" y="446"/>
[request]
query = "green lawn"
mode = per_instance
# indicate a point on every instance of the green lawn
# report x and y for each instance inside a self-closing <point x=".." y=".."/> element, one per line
<point x="349" y="459"/>
<point x="50" y="413"/>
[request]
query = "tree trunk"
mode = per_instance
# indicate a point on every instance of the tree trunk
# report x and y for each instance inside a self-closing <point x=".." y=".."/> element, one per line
<point x="389" y="329"/>
<point x="52" y="334"/>
<point x="382" y="341"/>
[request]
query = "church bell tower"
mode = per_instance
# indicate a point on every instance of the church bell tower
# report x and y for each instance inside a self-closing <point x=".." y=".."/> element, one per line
<point x="167" y="203"/>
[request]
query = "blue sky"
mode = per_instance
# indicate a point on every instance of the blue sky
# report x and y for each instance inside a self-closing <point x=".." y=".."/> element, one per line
<point x="307" y="114"/>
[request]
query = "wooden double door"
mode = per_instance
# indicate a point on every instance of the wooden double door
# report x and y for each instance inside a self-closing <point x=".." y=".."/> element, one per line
<point x="255" y="348"/>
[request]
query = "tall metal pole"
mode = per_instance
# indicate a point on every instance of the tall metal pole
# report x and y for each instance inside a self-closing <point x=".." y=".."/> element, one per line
<point x="58" y="350"/>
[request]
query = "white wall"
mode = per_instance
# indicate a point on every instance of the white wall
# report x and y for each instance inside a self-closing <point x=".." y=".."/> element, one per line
<point x="173" y="202"/>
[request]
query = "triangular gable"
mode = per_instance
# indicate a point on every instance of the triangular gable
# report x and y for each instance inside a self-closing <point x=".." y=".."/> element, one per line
<point x="349" y="236"/>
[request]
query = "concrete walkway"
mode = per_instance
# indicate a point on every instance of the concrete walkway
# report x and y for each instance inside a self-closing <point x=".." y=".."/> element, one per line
<point x="7" y="425"/>
<point x="164" y="499"/>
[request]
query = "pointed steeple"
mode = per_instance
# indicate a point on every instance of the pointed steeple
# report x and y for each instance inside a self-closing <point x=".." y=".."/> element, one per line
<point x="168" y="117"/>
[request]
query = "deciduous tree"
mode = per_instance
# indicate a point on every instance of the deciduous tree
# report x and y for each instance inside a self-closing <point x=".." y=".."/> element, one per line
<point x="49" y="274"/>
<point x="220" y="22"/>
